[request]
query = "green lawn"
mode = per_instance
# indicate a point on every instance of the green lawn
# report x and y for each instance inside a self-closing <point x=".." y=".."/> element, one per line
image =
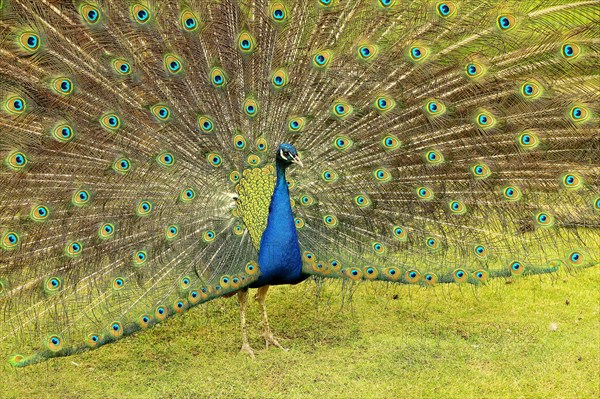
<point x="537" y="337"/>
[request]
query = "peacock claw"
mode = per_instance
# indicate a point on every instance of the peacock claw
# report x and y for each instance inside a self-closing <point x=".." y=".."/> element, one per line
<point x="247" y="349"/>
<point x="270" y="339"/>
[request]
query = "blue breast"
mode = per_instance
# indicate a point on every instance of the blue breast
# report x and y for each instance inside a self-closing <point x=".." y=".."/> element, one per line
<point x="279" y="255"/>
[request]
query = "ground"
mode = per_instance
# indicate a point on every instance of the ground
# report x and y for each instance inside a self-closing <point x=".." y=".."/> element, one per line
<point x="535" y="337"/>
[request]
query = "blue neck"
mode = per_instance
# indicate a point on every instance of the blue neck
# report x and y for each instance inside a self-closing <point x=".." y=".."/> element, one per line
<point x="279" y="255"/>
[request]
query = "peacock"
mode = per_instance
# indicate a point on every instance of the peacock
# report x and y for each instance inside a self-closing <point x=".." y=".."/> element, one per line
<point x="156" y="155"/>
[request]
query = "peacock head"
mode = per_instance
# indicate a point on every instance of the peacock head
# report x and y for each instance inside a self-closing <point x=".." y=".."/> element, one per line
<point x="287" y="155"/>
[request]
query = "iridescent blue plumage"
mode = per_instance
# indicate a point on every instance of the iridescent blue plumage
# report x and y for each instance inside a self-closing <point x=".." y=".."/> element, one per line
<point x="279" y="255"/>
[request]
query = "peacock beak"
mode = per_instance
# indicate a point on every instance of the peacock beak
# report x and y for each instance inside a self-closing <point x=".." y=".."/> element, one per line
<point x="297" y="161"/>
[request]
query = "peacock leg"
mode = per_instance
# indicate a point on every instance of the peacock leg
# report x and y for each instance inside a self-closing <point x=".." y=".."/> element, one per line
<point x="261" y="296"/>
<point x="243" y="301"/>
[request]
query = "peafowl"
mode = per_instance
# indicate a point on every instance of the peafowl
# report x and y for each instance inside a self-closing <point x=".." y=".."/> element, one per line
<point x="159" y="154"/>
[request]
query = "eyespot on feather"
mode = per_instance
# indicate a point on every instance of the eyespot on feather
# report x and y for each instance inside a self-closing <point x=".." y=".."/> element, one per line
<point x="330" y="221"/>
<point x="139" y="258"/>
<point x="571" y="181"/>
<point x="278" y="12"/>
<point x="279" y="78"/>
<point x="412" y="276"/>
<point x="189" y="21"/>
<point x="166" y="159"/>
<point x="115" y="329"/>
<point x="399" y="233"/>
<point x="29" y="42"/>
<point x="54" y="343"/>
<point x="424" y="193"/>
<point x="16" y="161"/>
<point x="171" y="232"/>
<point x="480" y="171"/>
<point x="173" y="64"/>
<point x="63" y="133"/>
<point x="122" y="165"/>
<point x="218" y="78"/>
<point x="390" y="142"/>
<point x="106" y="231"/>
<point x="10" y="240"/>
<point x="460" y="275"/>
<point x="445" y="9"/>
<point x="121" y="66"/>
<point x="418" y="53"/>
<point x="110" y="121"/>
<point x="329" y="176"/>
<point x="570" y="51"/>
<point x="90" y="13"/>
<point x="342" y="143"/>
<point x="62" y="85"/>
<point x="434" y="108"/>
<point x="341" y="109"/>
<point x="474" y="70"/>
<point x="161" y="112"/>
<point x="322" y="59"/>
<point x="516" y="268"/>
<point x="367" y="52"/>
<point x="206" y="123"/>
<point x="73" y="249"/>
<point x="15" y="105"/>
<point x="140" y="13"/>
<point x="506" y="22"/>
<point x="39" y="213"/>
<point x="246" y="42"/>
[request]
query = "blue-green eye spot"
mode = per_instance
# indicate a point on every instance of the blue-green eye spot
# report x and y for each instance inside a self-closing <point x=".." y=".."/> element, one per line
<point x="32" y="41"/>
<point x="569" y="50"/>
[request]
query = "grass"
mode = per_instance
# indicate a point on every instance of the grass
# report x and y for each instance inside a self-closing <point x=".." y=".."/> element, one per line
<point x="536" y="337"/>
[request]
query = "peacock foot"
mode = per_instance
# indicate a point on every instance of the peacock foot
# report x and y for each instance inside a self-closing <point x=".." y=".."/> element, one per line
<point x="247" y="349"/>
<point x="270" y="339"/>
